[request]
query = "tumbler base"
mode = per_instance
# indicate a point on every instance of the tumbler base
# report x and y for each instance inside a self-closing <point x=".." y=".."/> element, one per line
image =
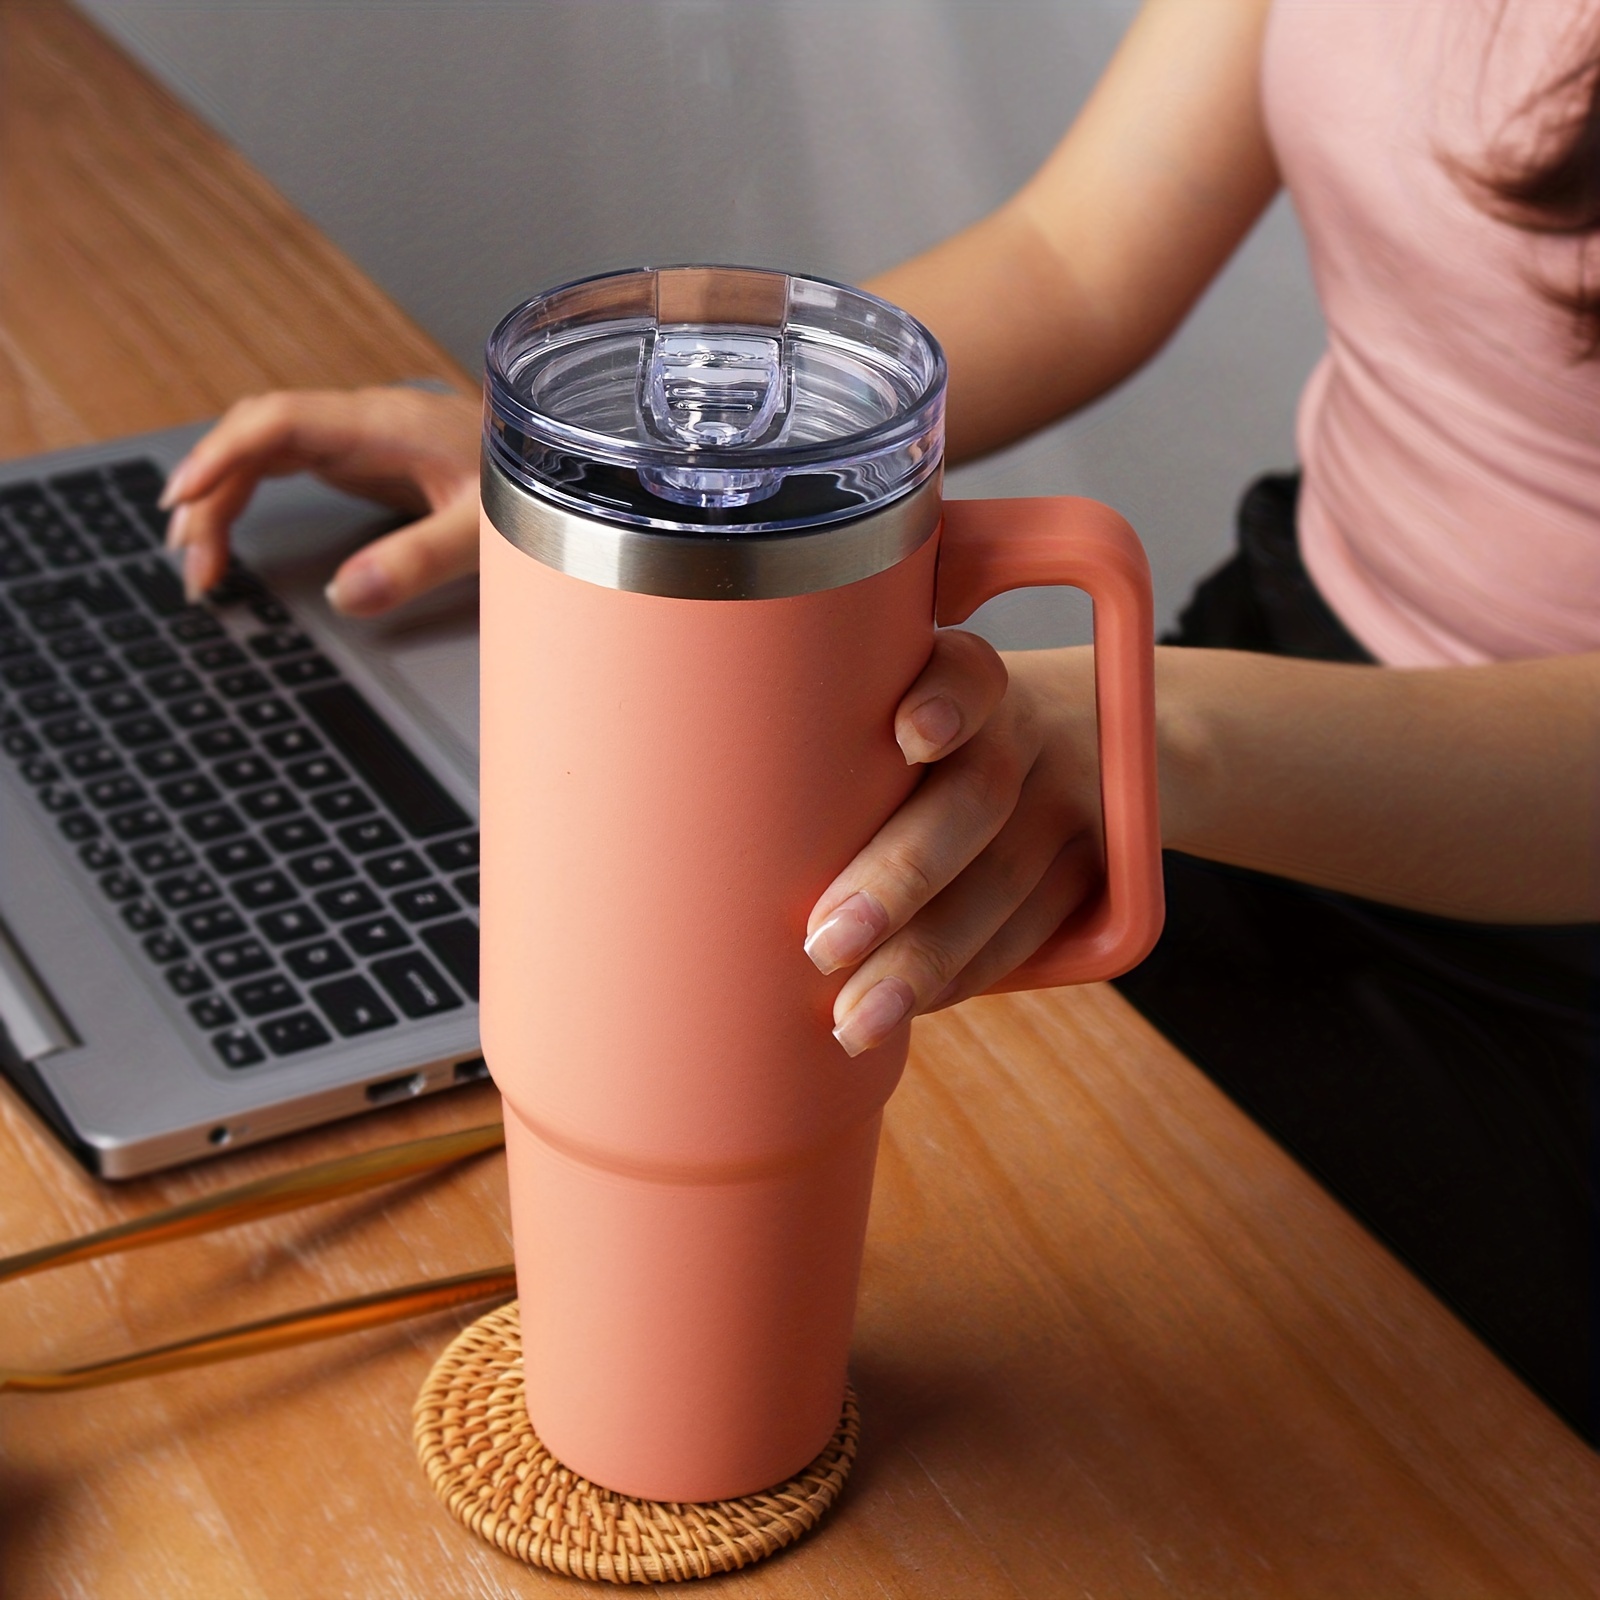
<point x="493" y="1474"/>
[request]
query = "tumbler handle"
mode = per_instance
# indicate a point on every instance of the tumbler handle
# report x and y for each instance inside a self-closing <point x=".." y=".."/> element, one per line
<point x="990" y="546"/>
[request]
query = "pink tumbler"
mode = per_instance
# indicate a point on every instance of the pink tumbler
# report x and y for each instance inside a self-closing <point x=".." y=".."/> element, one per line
<point x="714" y="555"/>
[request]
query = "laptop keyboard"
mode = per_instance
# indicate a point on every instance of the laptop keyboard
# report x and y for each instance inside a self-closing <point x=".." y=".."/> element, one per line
<point x="292" y="870"/>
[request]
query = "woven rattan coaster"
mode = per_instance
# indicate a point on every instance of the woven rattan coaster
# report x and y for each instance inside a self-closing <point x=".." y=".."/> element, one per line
<point x="486" y="1463"/>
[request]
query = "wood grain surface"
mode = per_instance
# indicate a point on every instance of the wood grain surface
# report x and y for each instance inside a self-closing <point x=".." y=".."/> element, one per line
<point x="1111" y="1341"/>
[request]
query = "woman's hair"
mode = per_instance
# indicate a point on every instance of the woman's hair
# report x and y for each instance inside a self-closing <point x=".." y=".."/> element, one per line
<point x="1556" y="189"/>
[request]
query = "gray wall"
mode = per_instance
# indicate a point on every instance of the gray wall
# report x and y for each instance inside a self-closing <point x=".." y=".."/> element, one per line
<point x="469" y="153"/>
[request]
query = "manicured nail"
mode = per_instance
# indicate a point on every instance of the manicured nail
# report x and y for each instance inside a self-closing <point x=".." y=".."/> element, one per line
<point x="848" y="934"/>
<point x="359" y="587"/>
<point x="935" y="722"/>
<point x="875" y="1015"/>
<point x="195" y="560"/>
<point x="177" y="527"/>
<point x="177" y="482"/>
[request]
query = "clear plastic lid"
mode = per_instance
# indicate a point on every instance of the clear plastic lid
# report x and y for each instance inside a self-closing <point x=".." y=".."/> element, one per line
<point x="690" y="398"/>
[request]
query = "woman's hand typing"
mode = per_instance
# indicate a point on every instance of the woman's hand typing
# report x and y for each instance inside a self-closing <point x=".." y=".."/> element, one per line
<point x="997" y="845"/>
<point x="407" y="448"/>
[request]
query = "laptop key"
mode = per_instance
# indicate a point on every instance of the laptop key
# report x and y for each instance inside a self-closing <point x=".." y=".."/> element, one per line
<point x="415" y="984"/>
<point x="271" y="713"/>
<point x="186" y="978"/>
<point x="456" y="945"/>
<point x="219" y="656"/>
<point x="240" y="685"/>
<point x="395" y="867"/>
<point x="156" y="584"/>
<point x="372" y="834"/>
<point x="20" y="744"/>
<point x="106" y="794"/>
<point x="291" y="923"/>
<point x="298" y="833"/>
<point x="377" y="936"/>
<point x="98" y="856"/>
<point x="149" y="655"/>
<point x="238" y="1048"/>
<point x="263" y="889"/>
<point x="119" y="885"/>
<point x="305" y="669"/>
<point x="216" y="822"/>
<point x="238" y="855"/>
<point x="467" y="887"/>
<point x="78" y="825"/>
<point x="187" y="889"/>
<point x="272" y="801"/>
<point x="56" y="798"/>
<point x="337" y="804"/>
<point x="213" y="743"/>
<point x="183" y="793"/>
<point x="212" y="1011"/>
<point x="195" y="626"/>
<point x="142" y="822"/>
<point x="353" y="1006"/>
<point x="319" y="960"/>
<point x="243" y="772"/>
<point x="425" y="902"/>
<point x="76" y="647"/>
<point x="195" y="713"/>
<point x="171" y="682"/>
<point x="123" y="700"/>
<point x="162" y="855"/>
<point x="64" y="731"/>
<point x="316" y="772"/>
<point x="349" y="900"/>
<point x="239" y="960"/>
<point x="211" y="923"/>
<point x="52" y="702"/>
<point x="137" y="732"/>
<point x="451" y="855"/>
<point x="164" y="946"/>
<point x="286" y="743"/>
<point x="128" y="629"/>
<point x="300" y="1031"/>
<point x="27" y="672"/>
<point x="164" y="762"/>
<point x="278" y="642"/>
<point x="143" y="915"/>
<point x="97" y="674"/>
<point x="321" y="866"/>
<point x="54" y="619"/>
<point x="92" y="761"/>
<point x="265" y="995"/>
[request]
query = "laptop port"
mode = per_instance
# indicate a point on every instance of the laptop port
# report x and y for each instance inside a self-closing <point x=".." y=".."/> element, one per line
<point x="380" y="1094"/>
<point x="472" y="1071"/>
<point x="220" y="1136"/>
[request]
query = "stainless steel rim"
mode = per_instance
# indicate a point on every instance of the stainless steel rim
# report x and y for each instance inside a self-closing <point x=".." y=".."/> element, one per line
<point x="687" y="567"/>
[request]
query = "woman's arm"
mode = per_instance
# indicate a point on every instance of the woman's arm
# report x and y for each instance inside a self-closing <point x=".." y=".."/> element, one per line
<point x="1076" y="281"/>
<point x="1469" y="792"/>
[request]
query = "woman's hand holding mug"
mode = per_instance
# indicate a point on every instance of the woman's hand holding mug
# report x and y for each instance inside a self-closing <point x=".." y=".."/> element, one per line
<point x="998" y="845"/>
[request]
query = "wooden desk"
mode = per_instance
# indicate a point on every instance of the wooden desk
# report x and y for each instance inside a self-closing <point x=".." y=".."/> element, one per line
<point x="1112" y="1341"/>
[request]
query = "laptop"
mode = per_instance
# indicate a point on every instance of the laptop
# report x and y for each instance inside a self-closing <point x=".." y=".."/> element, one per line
<point x="238" y="840"/>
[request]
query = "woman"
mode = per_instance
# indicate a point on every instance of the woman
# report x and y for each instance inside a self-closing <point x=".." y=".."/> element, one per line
<point x="1385" y="884"/>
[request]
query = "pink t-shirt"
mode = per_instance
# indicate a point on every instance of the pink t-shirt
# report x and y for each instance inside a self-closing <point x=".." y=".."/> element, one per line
<point x="1450" y="441"/>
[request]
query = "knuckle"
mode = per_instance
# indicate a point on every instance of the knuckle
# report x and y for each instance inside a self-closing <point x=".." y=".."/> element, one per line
<point x="913" y="885"/>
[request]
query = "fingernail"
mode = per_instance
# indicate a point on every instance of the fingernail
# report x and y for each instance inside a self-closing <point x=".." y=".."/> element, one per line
<point x="875" y="1015"/>
<point x="936" y="722"/>
<point x="194" y="561"/>
<point x="848" y="934"/>
<point x="177" y="482"/>
<point x="176" y="525"/>
<point x="359" y="587"/>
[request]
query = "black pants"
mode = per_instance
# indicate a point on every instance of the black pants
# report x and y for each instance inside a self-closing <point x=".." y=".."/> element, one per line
<point x="1441" y="1078"/>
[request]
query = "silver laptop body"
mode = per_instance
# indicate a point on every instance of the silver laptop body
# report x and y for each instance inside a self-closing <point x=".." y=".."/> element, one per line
<point x="242" y="933"/>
